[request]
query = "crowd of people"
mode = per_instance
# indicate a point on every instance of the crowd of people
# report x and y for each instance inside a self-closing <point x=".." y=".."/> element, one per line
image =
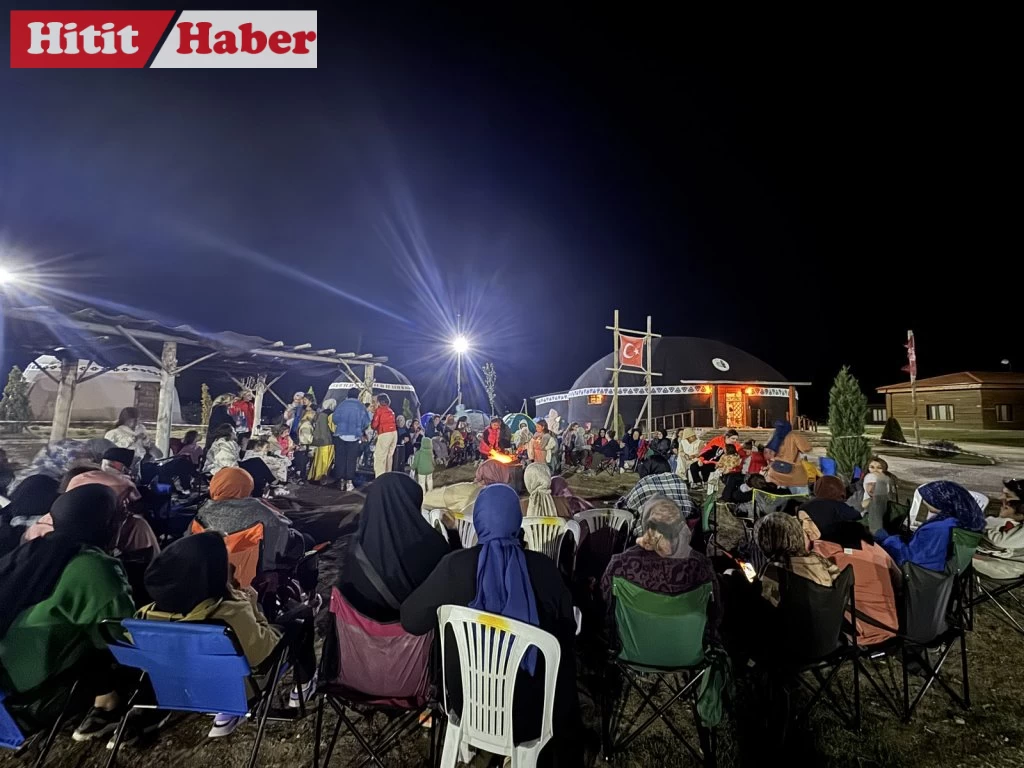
<point x="77" y="526"/>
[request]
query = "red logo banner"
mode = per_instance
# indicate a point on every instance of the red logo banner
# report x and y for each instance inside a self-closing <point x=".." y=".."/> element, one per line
<point x="86" y="39"/>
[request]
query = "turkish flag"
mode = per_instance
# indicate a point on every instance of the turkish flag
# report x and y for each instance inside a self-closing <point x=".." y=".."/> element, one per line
<point x="631" y="351"/>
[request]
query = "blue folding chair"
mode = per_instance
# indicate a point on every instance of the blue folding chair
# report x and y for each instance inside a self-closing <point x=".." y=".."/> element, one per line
<point x="195" y="667"/>
<point x="13" y="737"/>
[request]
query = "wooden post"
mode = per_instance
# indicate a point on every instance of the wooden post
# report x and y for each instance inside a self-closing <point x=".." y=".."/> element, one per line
<point x="913" y="391"/>
<point x="615" y="375"/>
<point x="367" y="393"/>
<point x="714" y="406"/>
<point x="65" y="397"/>
<point x="792" y="408"/>
<point x="647" y="341"/>
<point x="168" y="373"/>
<point x="257" y="404"/>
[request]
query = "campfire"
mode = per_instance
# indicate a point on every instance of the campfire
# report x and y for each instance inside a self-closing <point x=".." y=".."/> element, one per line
<point x="504" y="458"/>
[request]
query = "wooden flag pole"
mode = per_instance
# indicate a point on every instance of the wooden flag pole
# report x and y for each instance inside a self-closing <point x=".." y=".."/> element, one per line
<point x="647" y="343"/>
<point x="913" y="390"/>
<point x="615" y="375"/>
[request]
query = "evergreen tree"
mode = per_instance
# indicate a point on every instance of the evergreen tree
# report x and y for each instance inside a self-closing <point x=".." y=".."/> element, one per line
<point x="206" y="404"/>
<point x="847" y="415"/>
<point x="407" y="411"/>
<point x="893" y="431"/>
<point x="14" y="405"/>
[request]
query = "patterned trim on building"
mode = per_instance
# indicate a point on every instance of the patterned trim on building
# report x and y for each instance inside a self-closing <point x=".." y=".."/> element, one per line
<point x="674" y="389"/>
<point x="376" y="385"/>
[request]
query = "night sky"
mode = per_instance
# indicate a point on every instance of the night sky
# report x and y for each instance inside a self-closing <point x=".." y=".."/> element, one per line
<point x="805" y="197"/>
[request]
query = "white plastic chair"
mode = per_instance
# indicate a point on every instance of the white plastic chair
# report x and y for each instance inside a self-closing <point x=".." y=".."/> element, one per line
<point x="433" y="517"/>
<point x="596" y="519"/>
<point x="491" y="649"/>
<point x="467" y="532"/>
<point x="545" y="534"/>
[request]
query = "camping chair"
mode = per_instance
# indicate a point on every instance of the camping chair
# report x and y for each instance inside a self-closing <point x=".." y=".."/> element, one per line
<point x="491" y="649"/>
<point x="990" y="590"/>
<point x="546" y="535"/>
<point x="964" y="544"/>
<point x="245" y="551"/>
<point x="661" y="644"/>
<point x="814" y="642"/>
<point x="15" y="735"/>
<point x="369" y="667"/>
<point x="196" y="667"/>
<point x="928" y="622"/>
<point x="765" y="502"/>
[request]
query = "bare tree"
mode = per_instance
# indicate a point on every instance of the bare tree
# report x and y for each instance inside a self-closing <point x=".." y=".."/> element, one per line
<point x="490" y="383"/>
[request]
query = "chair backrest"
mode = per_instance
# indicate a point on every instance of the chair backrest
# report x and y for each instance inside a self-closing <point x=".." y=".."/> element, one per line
<point x="927" y="596"/>
<point x="491" y="649"/>
<point x="596" y="519"/>
<point x="545" y="534"/>
<point x="467" y="532"/>
<point x="381" y="661"/>
<point x="710" y="500"/>
<point x="811" y="616"/>
<point x="765" y="502"/>
<point x="193" y="667"/>
<point x="245" y="551"/>
<point x="11" y="736"/>
<point x="964" y="545"/>
<point x="665" y="631"/>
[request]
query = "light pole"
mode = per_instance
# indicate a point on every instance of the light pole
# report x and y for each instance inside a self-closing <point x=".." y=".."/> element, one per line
<point x="461" y="345"/>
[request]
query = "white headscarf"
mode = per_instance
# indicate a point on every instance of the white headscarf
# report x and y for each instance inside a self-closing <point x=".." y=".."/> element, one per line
<point x="537" y="478"/>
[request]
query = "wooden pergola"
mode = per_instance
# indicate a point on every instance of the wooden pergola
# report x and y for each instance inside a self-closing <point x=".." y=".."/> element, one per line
<point x="85" y="334"/>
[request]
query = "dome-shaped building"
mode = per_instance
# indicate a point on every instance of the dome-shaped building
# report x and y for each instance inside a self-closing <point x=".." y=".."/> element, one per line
<point x="703" y="383"/>
<point x="379" y="378"/>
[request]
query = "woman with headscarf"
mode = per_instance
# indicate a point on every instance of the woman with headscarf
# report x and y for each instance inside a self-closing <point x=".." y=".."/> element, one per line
<point x="497" y="576"/>
<point x="787" y="469"/>
<point x="231" y="508"/>
<point x="950" y="506"/>
<point x="29" y="503"/>
<point x="828" y="508"/>
<point x="786" y="540"/>
<point x="191" y="581"/>
<point x="54" y="592"/>
<point x="560" y="489"/>
<point x="394" y="546"/>
<point x="687" y="450"/>
<point x="459" y="497"/>
<point x="662" y="560"/>
<point x="541" y="502"/>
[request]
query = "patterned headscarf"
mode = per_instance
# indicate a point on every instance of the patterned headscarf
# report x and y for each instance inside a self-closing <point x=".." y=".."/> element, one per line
<point x="665" y="531"/>
<point x="780" y="535"/>
<point x="951" y="499"/>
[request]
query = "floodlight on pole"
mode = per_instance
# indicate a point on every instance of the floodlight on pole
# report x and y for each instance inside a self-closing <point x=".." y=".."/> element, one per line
<point x="460" y="345"/>
<point x="7" y="276"/>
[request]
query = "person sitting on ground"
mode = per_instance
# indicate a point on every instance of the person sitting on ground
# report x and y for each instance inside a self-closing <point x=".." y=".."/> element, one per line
<point x="498" y="576"/>
<point x="231" y="508"/>
<point x="284" y="440"/>
<point x="190" y="447"/>
<point x="54" y="592"/>
<point x="687" y="448"/>
<point x="665" y="484"/>
<point x="1001" y="553"/>
<point x="269" y="452"/>
<point x="560" y="489"/>
<point x="496" y="438"/>
<point x="191" y="580"/>
<point x="786" y="469"/>
<point x="394" y="550"/>
<point x="541" y="502"/>
<point x="828" y="508"/>
<point x="950" y="506"/>
<point x="710" y="453"/>
<point x="662" y="560"/>
<point x="129" y="433"/>
<point x="876" y="579"/>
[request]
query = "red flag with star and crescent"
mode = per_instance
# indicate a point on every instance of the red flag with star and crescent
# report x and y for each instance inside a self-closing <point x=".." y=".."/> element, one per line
<point x="631" y="351"/>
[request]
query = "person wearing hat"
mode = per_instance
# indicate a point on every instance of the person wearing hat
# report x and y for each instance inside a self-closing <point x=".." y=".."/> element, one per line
<point x="687" y="448"/>
<point x="118" y="460"/>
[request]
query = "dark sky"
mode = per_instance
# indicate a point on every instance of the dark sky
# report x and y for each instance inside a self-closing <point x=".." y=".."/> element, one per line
<point x="807" y="197"/>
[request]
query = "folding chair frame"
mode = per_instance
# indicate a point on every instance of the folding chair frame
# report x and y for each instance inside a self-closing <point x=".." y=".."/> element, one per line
<point x="259" y="709"/>
<point x="635" y="678"/>
<point x="990" y="591"/>
<point x="51" y="734"/>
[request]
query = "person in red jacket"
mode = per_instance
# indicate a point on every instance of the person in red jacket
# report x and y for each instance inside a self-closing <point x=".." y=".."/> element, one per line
<point x="386" y="427"/>
<point x="709" y="455"/>
<point x="496" y="437"/>
<point x="244" y="414"/>
<point x="755" y="463"/>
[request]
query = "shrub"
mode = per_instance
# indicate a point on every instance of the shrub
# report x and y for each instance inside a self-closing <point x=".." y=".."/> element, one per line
<point x="893" y="431"/>
<point x="941" y="449"/>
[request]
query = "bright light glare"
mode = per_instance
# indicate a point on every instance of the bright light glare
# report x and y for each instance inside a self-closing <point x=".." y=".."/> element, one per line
<point x="7" y="277"/>
<point x="460" y="344"/>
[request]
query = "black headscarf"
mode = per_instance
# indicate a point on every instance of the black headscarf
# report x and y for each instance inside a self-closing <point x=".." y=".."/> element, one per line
<point x="31" y="500"/>
<point x="82" y="518"/>
<point x="189" y="571"/>
<point x="400" y="545"/>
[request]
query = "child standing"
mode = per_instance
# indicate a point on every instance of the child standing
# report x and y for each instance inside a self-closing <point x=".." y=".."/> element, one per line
<point x="423" y="465"/>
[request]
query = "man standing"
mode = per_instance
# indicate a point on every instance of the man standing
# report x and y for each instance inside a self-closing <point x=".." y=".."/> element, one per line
<point x="386" y="427"/>
<point x="350" y="422"/>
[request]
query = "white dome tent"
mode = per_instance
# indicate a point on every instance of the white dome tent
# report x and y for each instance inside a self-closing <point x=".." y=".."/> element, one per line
<point x="380" y="379"/>
<point x="100" y="393"/>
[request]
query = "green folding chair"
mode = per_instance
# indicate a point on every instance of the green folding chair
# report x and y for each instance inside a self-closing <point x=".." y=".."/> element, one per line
<point x="661" y="648"/>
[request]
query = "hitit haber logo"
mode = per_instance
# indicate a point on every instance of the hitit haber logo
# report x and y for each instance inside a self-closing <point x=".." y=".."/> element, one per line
<point x="196" y="39"/>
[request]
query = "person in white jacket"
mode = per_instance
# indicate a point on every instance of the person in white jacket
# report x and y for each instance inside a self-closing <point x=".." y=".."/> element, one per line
<point x="1001" y="552"/>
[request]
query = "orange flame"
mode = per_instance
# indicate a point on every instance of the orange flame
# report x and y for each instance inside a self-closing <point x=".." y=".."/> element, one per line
<point x="500" y="457"/>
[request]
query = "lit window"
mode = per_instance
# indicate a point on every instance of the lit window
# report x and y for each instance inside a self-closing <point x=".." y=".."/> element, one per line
<point x="878" y="415"/>
<point x="1004" y="413"/>
<point x="595" y="399"/>
<point x="940" y="413"/>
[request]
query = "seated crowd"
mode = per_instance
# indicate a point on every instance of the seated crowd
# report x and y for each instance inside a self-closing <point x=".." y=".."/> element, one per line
<point x="75" y="518"/>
